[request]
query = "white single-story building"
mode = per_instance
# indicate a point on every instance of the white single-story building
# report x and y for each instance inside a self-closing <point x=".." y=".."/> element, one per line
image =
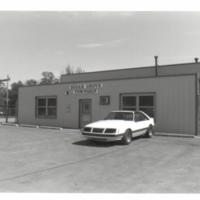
<point x="170" y="94"/>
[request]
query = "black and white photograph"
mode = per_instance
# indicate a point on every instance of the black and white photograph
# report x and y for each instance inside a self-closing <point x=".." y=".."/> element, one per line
<point x="103" y="102"/>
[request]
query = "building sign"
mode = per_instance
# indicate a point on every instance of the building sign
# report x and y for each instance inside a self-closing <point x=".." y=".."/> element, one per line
<point x="85" y="88"/>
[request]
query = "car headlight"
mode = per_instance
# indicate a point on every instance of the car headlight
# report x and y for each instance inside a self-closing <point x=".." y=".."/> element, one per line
<point x="87" y="129"/>
<point x="110" y="130"/>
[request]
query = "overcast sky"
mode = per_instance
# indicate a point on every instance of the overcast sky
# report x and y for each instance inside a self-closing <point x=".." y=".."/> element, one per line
<point x="33" y="42"/>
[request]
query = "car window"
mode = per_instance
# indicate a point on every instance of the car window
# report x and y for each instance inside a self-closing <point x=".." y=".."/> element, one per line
<point x="128" y="116"/>
<point x="140" y="117"/>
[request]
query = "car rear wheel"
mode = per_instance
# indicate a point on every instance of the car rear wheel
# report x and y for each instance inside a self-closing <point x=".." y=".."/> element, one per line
<point x="127" y="138"/>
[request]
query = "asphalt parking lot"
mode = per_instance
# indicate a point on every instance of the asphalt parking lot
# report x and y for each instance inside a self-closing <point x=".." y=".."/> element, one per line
<point x="43" y="160"/>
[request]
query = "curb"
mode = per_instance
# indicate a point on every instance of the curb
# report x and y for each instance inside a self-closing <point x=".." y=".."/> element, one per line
<point x="37" y="126"/>
<point x="9" y="124"/>
<point x="174" y="135"/>
<point x="31" y="126"/>
<point x="50" y="127"/>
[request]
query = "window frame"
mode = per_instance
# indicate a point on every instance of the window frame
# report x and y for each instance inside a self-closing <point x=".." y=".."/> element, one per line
<point x="46" y="107"/>
<point x="138" y="107"/>
<point x="101" y="102"/>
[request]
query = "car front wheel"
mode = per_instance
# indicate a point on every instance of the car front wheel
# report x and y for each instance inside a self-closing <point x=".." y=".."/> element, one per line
<point x="127" y="138"/>
<point x="149" y="132"/>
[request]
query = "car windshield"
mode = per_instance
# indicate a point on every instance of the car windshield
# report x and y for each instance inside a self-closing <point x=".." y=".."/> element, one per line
<point x="128" y="116"/>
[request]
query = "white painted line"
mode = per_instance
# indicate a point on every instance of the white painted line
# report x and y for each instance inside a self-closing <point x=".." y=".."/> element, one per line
<point x="42" y="127"/>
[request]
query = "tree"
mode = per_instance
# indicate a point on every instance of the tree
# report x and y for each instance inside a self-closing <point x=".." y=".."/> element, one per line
<point x="79" y="70"/>
<point x="2" y="89"/>
<point x="31" y="82"/>
<point x="13" y="93"/>
<point x="2" y="84"/>
<point x="56" y="80"/>
<point x="2" y="95"/>
<point x="48" y="78"/>
<point x="69" y="70"/>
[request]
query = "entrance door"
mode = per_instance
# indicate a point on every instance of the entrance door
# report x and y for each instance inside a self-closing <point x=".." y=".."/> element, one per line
<point x="85" y="112"/>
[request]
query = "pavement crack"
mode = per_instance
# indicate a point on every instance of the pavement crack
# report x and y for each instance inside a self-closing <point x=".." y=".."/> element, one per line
<point x="127" y="148"/>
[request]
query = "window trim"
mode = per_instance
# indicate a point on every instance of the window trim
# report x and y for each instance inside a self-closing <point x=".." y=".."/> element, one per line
<point x="46" y="116"/>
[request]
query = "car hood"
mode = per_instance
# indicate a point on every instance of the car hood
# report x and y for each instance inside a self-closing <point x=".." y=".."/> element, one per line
<point x="108" y="124"/>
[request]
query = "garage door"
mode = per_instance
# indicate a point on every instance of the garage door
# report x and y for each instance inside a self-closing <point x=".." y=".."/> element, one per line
<point x="140" y="101"/>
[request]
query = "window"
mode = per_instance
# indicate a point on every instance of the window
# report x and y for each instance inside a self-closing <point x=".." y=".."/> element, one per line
<point x="137" y="102"/>
<point x="146" y="100"/>
<point x="46" y="107"/>
<point x="85" y="107"/>
<point x="140" y="117"/>
<point x="128" y="116"/>
<point x="146" y="104"/>
<point x="104" y="100"/>
<point x="129" y="102"/>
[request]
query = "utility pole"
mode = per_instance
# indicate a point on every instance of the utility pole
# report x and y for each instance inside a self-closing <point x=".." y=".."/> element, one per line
<point x="7" y="99"/>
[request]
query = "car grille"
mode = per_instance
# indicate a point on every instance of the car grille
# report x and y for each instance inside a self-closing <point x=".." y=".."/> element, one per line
<point x="97" y="130"/>
<point x="110" y="130"/>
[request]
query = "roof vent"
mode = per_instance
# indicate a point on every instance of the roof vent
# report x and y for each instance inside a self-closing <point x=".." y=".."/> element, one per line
<point x="196" y="60"/>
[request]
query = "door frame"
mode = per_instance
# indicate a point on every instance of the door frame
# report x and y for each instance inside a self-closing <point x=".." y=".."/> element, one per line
<point x="79" y="104"/>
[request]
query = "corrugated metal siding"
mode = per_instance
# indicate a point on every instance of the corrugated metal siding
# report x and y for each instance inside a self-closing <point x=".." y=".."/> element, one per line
<point x="198" y="127"/>
<point x="107" y="75"/>
<point x="133" y="73"/>
<point x="175" y="102"/>
<point x="180" y="69"/>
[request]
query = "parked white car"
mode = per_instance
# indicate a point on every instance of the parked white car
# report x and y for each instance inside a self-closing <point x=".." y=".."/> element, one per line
<point x="120" y="125"/>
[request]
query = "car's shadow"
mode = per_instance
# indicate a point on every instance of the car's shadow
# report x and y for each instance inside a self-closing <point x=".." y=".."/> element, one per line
<point x="92" y="143"/>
